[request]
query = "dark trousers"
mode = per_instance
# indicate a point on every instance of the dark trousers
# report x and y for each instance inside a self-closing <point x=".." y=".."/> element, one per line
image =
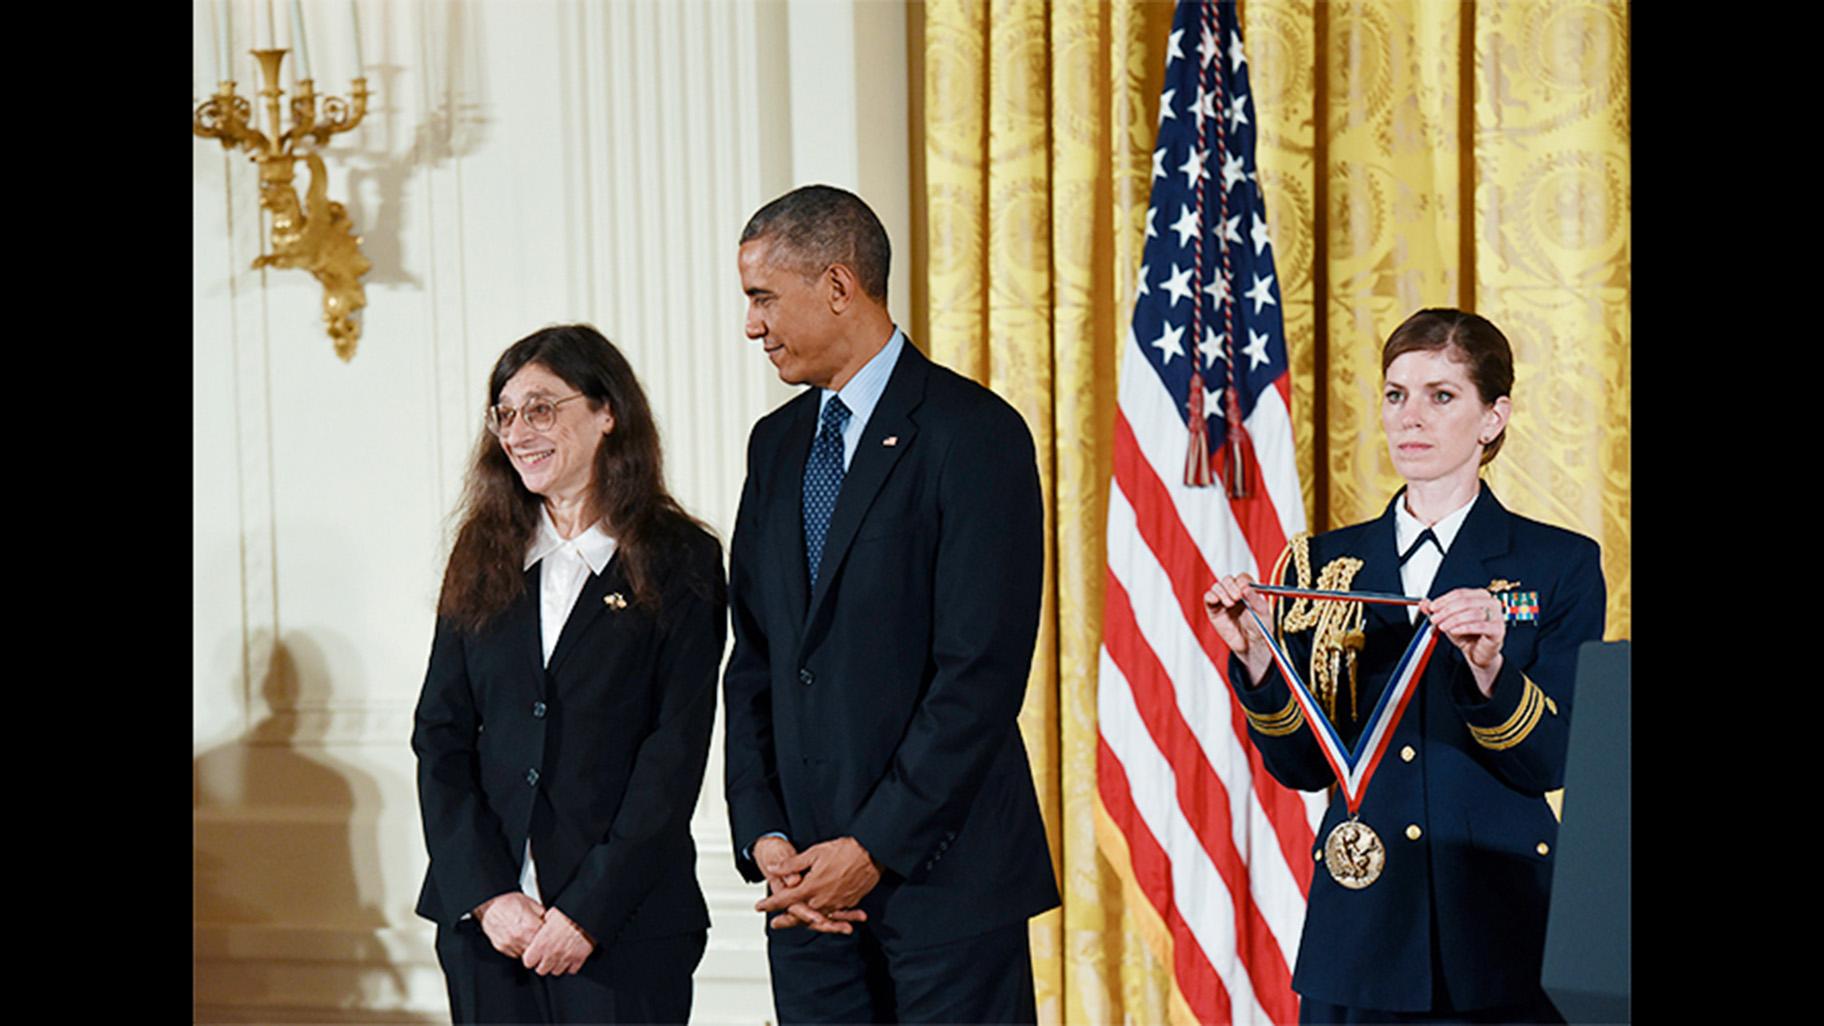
<point x="830" y="978"/>
<point x="637" y="981"/>
<point x="1537" y="1010"/>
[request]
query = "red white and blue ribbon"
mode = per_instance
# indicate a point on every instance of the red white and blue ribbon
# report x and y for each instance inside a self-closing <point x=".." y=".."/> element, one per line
<point x="1380" y="598"/>
<point x="1355" y="767"/>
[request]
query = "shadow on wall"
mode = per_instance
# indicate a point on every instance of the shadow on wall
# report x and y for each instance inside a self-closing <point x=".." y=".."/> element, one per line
<point x="284" y="836"/>
<point x="450" y="93"/>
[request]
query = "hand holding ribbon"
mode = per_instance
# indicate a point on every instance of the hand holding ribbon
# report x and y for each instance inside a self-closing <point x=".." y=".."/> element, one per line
<point x="1226" y="604"/>
<point x="1474" y="621"/>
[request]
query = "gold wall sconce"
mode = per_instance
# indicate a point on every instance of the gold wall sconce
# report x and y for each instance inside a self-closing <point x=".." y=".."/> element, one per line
<point x="314" y="234"/>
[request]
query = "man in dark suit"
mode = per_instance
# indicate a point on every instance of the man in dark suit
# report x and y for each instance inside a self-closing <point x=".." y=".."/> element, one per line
<point x="885" y="575"/>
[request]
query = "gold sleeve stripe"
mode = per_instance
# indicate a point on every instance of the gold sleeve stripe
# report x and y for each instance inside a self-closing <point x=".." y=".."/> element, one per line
<point x="1519" y="725"/>
<point x="1278" y="724"/>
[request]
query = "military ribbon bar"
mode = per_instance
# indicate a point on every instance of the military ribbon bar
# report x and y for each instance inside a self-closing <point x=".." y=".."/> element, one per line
<point x="1354" y="768"/>
<point x="1520" y="606"/>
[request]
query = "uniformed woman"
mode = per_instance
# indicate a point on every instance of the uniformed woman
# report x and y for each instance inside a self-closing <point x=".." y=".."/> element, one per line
<point x="1429" y="902"/>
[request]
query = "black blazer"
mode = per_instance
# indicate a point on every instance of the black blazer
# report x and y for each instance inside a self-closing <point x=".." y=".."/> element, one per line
<point x="881" y="702"/>
<point x="1457" y="918"/>
<point x="598" y="758"/>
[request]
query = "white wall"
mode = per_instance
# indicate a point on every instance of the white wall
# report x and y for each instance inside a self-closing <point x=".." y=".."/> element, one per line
<point x="523" y="162"/>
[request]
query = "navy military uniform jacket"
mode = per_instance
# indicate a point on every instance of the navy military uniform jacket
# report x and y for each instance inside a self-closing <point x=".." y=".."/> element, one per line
<point x="1457" y="918"/>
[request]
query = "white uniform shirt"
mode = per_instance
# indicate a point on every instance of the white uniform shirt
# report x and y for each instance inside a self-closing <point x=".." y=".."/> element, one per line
<point x="1417" y="573"/>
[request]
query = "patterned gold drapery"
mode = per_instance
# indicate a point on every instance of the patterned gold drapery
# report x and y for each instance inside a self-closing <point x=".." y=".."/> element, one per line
<point x="1032" y="193"/>
<point x="1411" y="154"/>
<point x="1472" y="155"/>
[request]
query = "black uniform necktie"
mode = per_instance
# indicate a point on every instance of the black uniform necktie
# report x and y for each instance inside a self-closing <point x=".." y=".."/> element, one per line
<point x="1424" y="536"/>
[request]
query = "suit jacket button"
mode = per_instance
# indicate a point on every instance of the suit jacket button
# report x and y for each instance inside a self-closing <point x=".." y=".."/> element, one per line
<point x="1407" y="754"/>
<point x="1413" y="832"/>
<point x="1544" y="848"/>
<point x="538" y="710"/>
<point x="532" y="777"/>
<point x="805" y="676"/>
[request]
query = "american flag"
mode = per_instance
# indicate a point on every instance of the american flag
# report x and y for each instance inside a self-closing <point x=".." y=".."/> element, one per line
<point x="1219" y="850"/>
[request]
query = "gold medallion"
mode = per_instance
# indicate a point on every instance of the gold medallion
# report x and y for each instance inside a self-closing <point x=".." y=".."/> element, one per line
<point x="1354" y="855"/>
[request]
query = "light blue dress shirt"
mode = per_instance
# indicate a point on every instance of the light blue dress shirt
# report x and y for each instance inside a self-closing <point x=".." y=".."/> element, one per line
<point x="862" y="393"/>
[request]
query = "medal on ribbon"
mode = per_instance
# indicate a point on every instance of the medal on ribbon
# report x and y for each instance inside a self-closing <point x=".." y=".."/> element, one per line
<point x="1353" y="853"/>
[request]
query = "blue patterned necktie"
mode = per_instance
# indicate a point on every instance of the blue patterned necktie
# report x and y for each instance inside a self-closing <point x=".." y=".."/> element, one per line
<point x="823" y="481"/>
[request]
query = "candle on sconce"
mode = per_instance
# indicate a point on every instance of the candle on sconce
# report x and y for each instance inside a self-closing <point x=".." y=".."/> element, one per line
<point x="242" y="48"/>
<point x="272" y="28"/>
<point x="297" y="38"/>
<point x="354" y="21"/>
<point x="215" y="39"/>
<point x="224" y="39"/>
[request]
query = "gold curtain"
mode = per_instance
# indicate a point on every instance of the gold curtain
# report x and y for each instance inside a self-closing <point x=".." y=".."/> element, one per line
<point x="1438" y="153"/>
<point x="1030" y="188"/>
<point x="1472" y="155"/>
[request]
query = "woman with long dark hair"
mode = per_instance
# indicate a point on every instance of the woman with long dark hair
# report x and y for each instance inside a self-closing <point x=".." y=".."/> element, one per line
<point x="565" y="718"/>
<point x="1429" y="898"/>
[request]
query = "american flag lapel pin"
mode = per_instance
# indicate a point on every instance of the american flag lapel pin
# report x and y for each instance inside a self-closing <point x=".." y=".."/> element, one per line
<point x="890" y="440"/>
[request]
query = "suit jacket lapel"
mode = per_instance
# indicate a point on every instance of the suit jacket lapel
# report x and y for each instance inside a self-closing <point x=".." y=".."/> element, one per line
<point x="872" y="462"/>
<point x="786" y="515"/>
<point x="589" y="606"/>
<point x="519" y="628"/>
<point x="1381" y="569"/>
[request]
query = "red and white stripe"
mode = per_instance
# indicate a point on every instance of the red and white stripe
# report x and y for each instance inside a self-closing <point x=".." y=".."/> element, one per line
<point x="1221" y="851"/>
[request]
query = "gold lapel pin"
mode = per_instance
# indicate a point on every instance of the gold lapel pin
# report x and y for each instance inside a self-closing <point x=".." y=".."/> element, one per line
<point x="890" y="440"/>
<point x="613" y="600"/>
<point x="1502" y="584"/>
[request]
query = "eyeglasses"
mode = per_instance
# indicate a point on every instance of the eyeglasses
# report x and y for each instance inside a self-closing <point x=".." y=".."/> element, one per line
<point x="540" y="414"/>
